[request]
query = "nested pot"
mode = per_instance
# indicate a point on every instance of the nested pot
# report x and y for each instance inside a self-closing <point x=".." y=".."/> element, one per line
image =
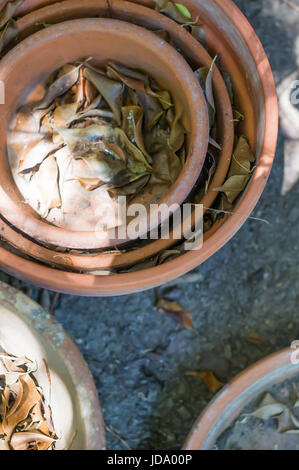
<point x="197" y="56"/>
<point x="230" y="35"/>
<point x="229" y="403"/>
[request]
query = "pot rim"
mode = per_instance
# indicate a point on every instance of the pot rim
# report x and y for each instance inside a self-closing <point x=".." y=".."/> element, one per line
<point x="120" y="284"/>
<point x="181" y="73"/>
<point x="73" y="360"/>
<point x="204" y="432"/>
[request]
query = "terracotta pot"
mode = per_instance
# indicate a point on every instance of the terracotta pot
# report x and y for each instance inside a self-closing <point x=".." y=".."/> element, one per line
<point x="27" y="330"/>
<point x="243" y="56"/>
<point x="29" y="5"/>
<point x="144" y="51"/>
<point x="196" y="55"/>
<point x="232" y="399"/>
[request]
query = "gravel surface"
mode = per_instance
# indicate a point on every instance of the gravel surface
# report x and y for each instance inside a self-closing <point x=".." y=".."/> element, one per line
<point x="139" y="357"/>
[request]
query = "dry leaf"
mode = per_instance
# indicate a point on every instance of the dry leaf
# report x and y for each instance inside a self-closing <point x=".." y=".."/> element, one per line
<point x="209" y="86"/>
<point x="233" y="187"/>
<point x="175" y="311"/>
<point x="110" y="89"/>
<point x="9" y="32"/>
<point x="47" y="185"/>
<point x="8" y="11"/>
<point x="25" y="418"/>
<point x="284" y="422"/>
<point x="21" y="440"/>
<point x="32" y="160"/>
<point x="177" y="12"/>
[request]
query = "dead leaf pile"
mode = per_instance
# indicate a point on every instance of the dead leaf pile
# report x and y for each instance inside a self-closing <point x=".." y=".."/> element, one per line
<point x="25" y="417"/>
<point x="95" y="134"/>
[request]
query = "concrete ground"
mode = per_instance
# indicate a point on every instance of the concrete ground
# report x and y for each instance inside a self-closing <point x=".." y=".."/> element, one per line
<point x="139" y="357"/>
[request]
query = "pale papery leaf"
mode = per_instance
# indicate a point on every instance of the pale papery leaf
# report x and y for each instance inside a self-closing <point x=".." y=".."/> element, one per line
<point x="36" y="156"/>
<point x="63" y="114"/>
<point x="111" y="90"/>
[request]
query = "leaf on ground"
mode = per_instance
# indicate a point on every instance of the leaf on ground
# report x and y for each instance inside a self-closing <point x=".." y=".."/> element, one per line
<point x="209" y="378"/>
<point x="176" y="312"/>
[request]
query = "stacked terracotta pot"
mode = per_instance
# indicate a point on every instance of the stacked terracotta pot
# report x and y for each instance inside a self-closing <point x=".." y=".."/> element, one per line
<point x="74" y="263"/>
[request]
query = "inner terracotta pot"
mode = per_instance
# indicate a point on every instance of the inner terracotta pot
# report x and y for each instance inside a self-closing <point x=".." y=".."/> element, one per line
<point x="144" y="51"/>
